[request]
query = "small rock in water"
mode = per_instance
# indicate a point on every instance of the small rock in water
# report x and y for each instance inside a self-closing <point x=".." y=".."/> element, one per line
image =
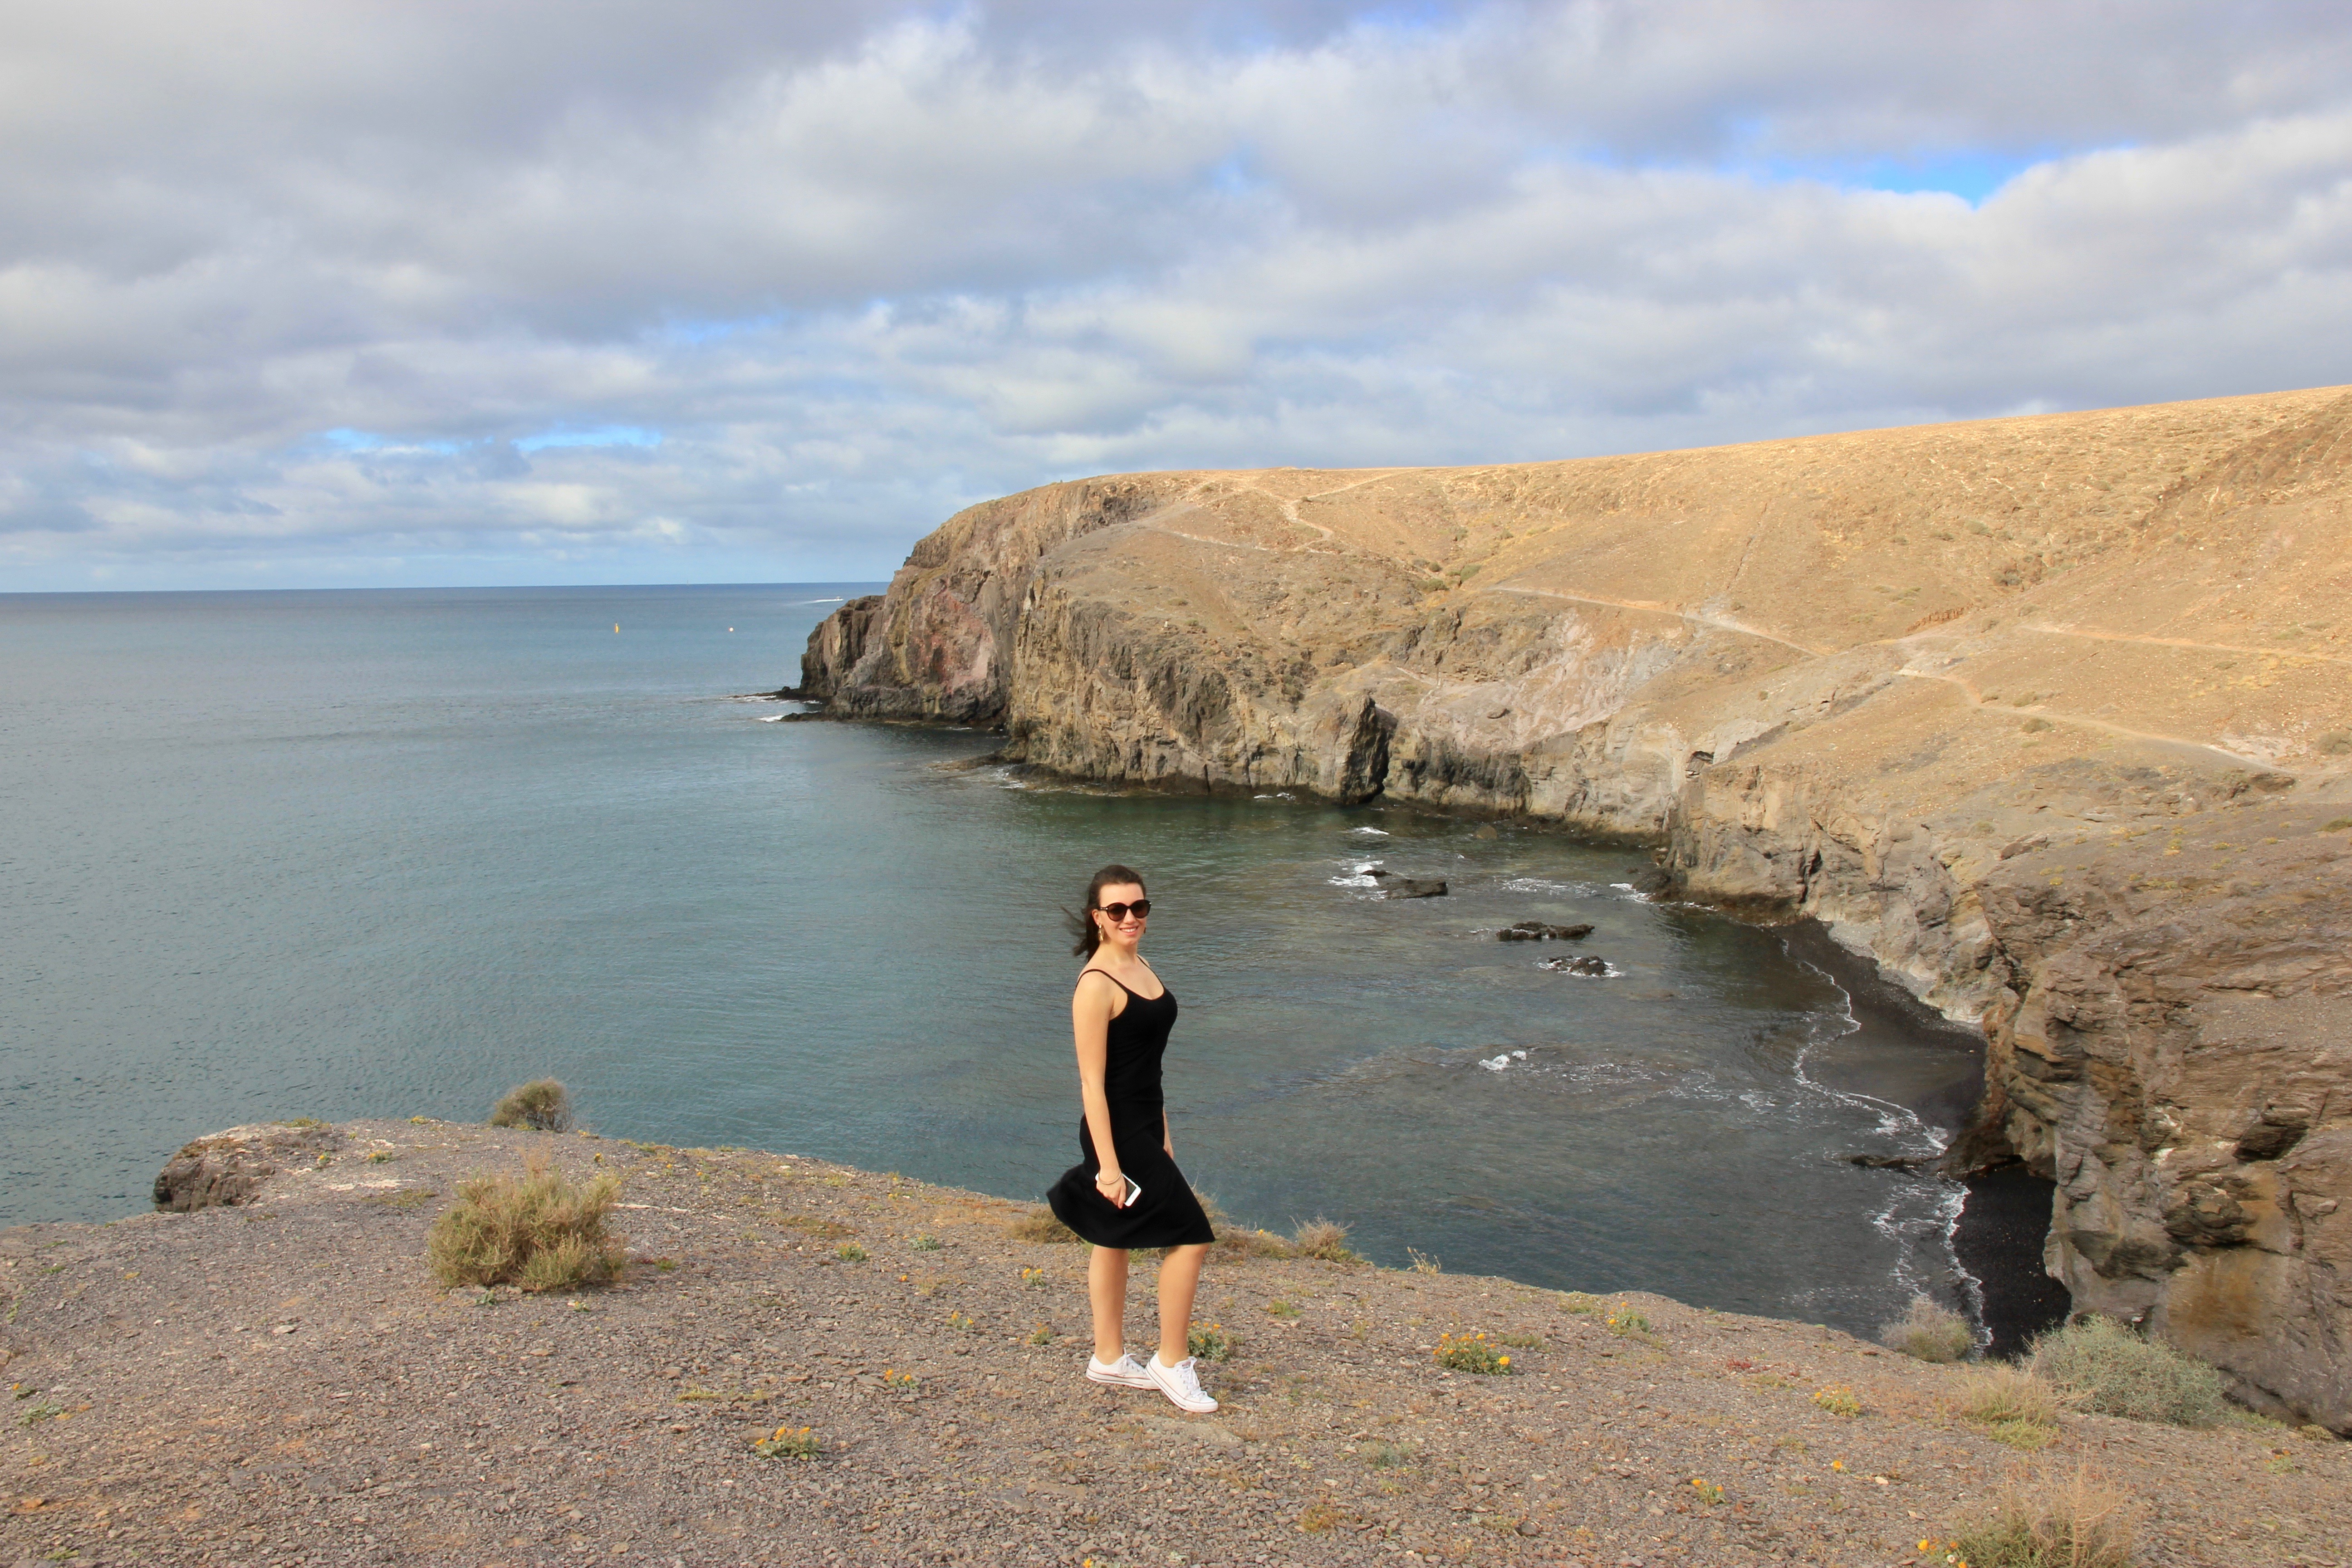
<point x="1583" y="964"/>
<point x="1396" y="886"/>
<point x="1535" y="930"/>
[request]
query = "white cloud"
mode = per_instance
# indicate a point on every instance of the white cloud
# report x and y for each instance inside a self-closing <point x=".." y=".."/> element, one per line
<point x="497" y="291"/>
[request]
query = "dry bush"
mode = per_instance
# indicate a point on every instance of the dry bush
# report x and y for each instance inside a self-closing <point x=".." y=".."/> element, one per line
<point x="542" y="1105"/>
<point x="1234" y="1243"/>
<point x="2099" y="1364"/>
<point x="1041" y="1225"/>
<point x="2073" y="1524"/>
<point x="1930" y="1332"/>
<point x="538" y="1231"/>
<point x="1323" y="1239"/>
<point x="2005" y="1393"/>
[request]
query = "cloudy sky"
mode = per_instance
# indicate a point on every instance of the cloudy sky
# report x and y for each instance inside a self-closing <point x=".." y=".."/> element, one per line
<point x="353" y="292"/>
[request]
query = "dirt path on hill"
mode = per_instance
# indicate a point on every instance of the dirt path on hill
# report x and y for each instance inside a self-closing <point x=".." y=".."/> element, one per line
<point x="282" y="1383"/>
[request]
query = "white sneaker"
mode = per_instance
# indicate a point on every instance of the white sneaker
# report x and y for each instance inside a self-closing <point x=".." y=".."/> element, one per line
<point x="1180" y="1384"/>
<point x="1123" y="1372"/>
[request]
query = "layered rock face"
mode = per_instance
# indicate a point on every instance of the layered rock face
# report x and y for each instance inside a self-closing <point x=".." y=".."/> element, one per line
<point x="2051" y="717"/>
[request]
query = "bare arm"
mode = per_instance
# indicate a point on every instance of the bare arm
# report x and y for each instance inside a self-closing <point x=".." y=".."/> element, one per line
<point x="1090" y="1013"/>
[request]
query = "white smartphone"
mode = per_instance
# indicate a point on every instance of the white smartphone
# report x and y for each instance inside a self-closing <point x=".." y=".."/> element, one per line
<point x="1133" y="1192"/>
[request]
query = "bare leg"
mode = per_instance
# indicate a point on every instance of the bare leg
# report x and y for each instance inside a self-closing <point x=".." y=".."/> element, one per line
<point x="1180" y="1277"/>
<point x="1106" y="1288"/>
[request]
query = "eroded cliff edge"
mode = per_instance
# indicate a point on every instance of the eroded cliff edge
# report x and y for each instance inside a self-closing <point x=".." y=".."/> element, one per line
<point x="2051" y="717"/>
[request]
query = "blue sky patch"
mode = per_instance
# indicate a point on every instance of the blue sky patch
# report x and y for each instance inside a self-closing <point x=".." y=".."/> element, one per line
<point x="598" y="436"/>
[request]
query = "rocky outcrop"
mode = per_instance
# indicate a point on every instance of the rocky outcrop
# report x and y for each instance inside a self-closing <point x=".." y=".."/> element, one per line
<point x="228" y="1168"/>
<point x="938" y="645"/>
<point x="2049" y="717"/>
<point x="835" y="648"/>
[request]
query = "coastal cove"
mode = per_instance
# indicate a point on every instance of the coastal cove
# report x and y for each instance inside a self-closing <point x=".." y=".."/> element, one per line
<point x="346" y="854"/>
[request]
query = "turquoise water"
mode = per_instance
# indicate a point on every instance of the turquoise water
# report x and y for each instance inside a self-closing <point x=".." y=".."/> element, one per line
<point x="346" y="854"/>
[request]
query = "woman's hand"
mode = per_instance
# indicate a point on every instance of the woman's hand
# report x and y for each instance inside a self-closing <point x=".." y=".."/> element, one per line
<point x="1111" y="1183"/>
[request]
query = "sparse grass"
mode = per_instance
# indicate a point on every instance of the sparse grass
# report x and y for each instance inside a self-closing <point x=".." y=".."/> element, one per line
<point x="1472" y="1353"/>
<point x="1623" y="1320"/>
<point x="963" y="1322"/>
<point x="932" y="1243"/>
<point x="405" y="1198"/>
<point x="1323" y="1239"/>
<point x="1385" y="1456"/>
<point x="1038" y="1226"/>
<point x="1520" y="1341"/>
<point x="2026" y="1436"/>
<point x="2003" y="1393"/>
<point x="1422" y="1263"/>
<point x="542" y="1105"/>
<point x="1838" y="1401"/>
<point x="1579" y="1302"/>
<point x="1041" y="1335"/>
<point x="2073" y="1524"/>
<point x="1281" y="1308"/>
<point x="381" y="1157"/>
<point x="1234" y="1243"/>
<point x="1930" y="1332"/>
<point x="1319" y="1518"/>
<point x="1212" y="1343"/>
<point x="300" y="1121"/>
<point x="2099" y="1364"/>
<point x="789" y="1443"/>
<point x="538" y="1231"/>
<point x="1707" y="1490"/>
<point x="900" y="1383"/>
<point x="1035" y="1278"/>
<point x="850" y="1252"/>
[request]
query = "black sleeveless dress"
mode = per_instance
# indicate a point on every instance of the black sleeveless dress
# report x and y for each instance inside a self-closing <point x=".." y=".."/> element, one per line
<point x="1166" y="1214"/>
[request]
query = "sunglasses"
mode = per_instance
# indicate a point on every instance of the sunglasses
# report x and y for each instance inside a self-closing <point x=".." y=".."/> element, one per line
<point x="1141" y="907"/>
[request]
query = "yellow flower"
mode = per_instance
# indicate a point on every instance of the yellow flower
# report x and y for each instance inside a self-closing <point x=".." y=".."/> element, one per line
<point x="1507" y="1360"/>
<point x="1837" y="1464"/>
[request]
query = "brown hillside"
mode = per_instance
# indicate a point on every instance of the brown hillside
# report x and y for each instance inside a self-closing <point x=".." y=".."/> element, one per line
<point x="2051" y="716"/>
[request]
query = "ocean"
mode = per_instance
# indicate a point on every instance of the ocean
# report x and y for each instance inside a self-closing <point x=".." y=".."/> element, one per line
<point x="373" y="853"/>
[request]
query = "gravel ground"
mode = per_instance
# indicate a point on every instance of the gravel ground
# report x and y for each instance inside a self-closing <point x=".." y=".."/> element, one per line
<point x="282" y="1383"/>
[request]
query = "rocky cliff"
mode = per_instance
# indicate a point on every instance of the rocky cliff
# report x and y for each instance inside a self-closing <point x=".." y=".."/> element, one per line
<point x="2051" y="717"/>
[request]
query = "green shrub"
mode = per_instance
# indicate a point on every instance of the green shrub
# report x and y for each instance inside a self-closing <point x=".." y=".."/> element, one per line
<point x="1212" y="1343"/>
<point x="789" y="1443"/>
<point x="1838" y="1401"/>
<point x="2099" y="1364"/>
<point x="542" y="1105"/>
<point x="1930" y="1331"/>
<point x="1624" y="1319"/>
<point x="538" y="1231"/>
<point x="1472" y="1353"/>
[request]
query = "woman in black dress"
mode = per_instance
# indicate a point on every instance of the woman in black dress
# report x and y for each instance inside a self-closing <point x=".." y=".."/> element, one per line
<point x="1127" y="1192"/>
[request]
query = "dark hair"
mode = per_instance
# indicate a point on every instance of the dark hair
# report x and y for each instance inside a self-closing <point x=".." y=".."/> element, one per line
<point x="1082" y="925"/>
